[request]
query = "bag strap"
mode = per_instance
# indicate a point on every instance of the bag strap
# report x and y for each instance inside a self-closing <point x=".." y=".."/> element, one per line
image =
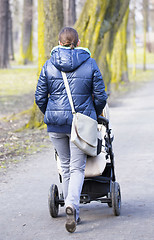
<point x="68" y="91"/>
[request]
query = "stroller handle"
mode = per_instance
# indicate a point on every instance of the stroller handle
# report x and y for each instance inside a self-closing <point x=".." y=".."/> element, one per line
<point x="102" y="120"/>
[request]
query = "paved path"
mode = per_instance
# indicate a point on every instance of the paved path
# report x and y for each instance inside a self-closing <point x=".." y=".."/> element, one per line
<point x="23" y="191"/>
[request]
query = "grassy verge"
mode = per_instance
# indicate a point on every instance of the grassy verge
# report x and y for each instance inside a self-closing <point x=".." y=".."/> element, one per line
<point x="17" y="81"/>
<point x="141" y="76"/>
<point x="134" y="83"/>
<point x="139" y="56"/>
<point x="17" y="88"/>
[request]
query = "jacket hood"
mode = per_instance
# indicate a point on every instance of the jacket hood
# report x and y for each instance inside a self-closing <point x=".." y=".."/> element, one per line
<point x="67" y="59"/>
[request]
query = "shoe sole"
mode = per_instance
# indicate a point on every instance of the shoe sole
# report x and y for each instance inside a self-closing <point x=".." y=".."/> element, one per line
<point x="70" y="221"/>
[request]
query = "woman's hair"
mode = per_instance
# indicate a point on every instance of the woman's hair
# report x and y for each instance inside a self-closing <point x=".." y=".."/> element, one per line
<point x="69" y="37"/>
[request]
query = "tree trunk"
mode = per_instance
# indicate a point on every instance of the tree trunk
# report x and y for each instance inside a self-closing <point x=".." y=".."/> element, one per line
<point x="4" y="30"/>
<point x="119" y="68"/>
<point x="124" y="62"/>
<point x="11" y="49"/>
<point x="69" y="12"/>
<point x="26" y="55"/>
<point x="145" y="23"/>
<point x="97" y="27"/>
<point x="50" y="22"/>
<point x="134" y="39"/>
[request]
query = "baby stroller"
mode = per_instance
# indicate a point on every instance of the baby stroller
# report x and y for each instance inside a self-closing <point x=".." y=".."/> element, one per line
<point x="102" y="188"/>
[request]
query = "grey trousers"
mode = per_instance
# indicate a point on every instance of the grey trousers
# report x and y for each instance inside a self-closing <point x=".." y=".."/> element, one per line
<point x="73" y="162"/>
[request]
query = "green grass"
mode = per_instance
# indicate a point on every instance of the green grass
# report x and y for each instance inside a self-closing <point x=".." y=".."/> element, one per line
<point x="141" y="76"/>
<point x="139" y="56"/>
<point x="17" y="81"/>
<point x="134" y="82"/>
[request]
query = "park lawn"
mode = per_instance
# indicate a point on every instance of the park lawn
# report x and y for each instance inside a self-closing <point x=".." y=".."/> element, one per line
<point x="141" y="76"/>
<point x="139" y="56"/>
<point x="17" y="81"/>
<point x="17" y="89"/>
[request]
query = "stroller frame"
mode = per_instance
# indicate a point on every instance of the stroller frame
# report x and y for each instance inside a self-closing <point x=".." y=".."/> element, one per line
<point x="103" y="188"/>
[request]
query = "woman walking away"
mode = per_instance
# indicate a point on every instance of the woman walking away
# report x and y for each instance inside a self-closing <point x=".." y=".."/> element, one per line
<point x="89" y="97"/>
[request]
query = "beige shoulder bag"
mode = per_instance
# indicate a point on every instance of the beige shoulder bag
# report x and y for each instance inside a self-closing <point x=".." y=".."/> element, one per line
<point x="84" y="132"/>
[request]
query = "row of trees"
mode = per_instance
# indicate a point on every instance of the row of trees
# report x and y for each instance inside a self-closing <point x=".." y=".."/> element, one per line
<point x="144" y="5"/>
<point x="102" y="27"/>
<point x="67" y="14"/>
<point x="70" y="10"/>
<point x="97" y="31"/>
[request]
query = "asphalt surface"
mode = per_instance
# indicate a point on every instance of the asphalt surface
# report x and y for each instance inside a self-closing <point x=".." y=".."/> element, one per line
<point x="24" y="190"/>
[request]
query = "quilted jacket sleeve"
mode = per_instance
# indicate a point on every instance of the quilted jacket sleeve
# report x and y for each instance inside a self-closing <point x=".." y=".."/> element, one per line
<point x="41" y="94"/>
<point x="99" y="93"/>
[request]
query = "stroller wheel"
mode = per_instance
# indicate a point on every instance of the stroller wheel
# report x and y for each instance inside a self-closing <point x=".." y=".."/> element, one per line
<point x="53" y="201"/>
<point x="109" y="204"/>
<point x="116" y="198"/>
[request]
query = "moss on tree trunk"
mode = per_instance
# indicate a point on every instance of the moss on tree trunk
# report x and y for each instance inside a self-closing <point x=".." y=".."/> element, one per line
<point x="145" y="24"/>
<point x="50" y="22"/>
<point x="119" y="70"/>
<point x="27" y="36"/>
<point x="97" y="28"/>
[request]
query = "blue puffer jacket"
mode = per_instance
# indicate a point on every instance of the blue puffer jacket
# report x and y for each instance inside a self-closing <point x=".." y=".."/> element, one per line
<point x="85" y="81"/>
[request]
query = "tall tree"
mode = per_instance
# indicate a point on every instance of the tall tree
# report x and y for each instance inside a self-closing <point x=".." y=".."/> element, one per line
<point x="69" y="7"/>
<point x="145" y="24"/>
<point x="97" y="27"/>
<point x="10" y="34"/>
<point x="50" y="22"/>
<point x="134" y="37"/>
<point x="119" y="68"/>
<point x="4" y="33"/>
<point x="26" y="38"/>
